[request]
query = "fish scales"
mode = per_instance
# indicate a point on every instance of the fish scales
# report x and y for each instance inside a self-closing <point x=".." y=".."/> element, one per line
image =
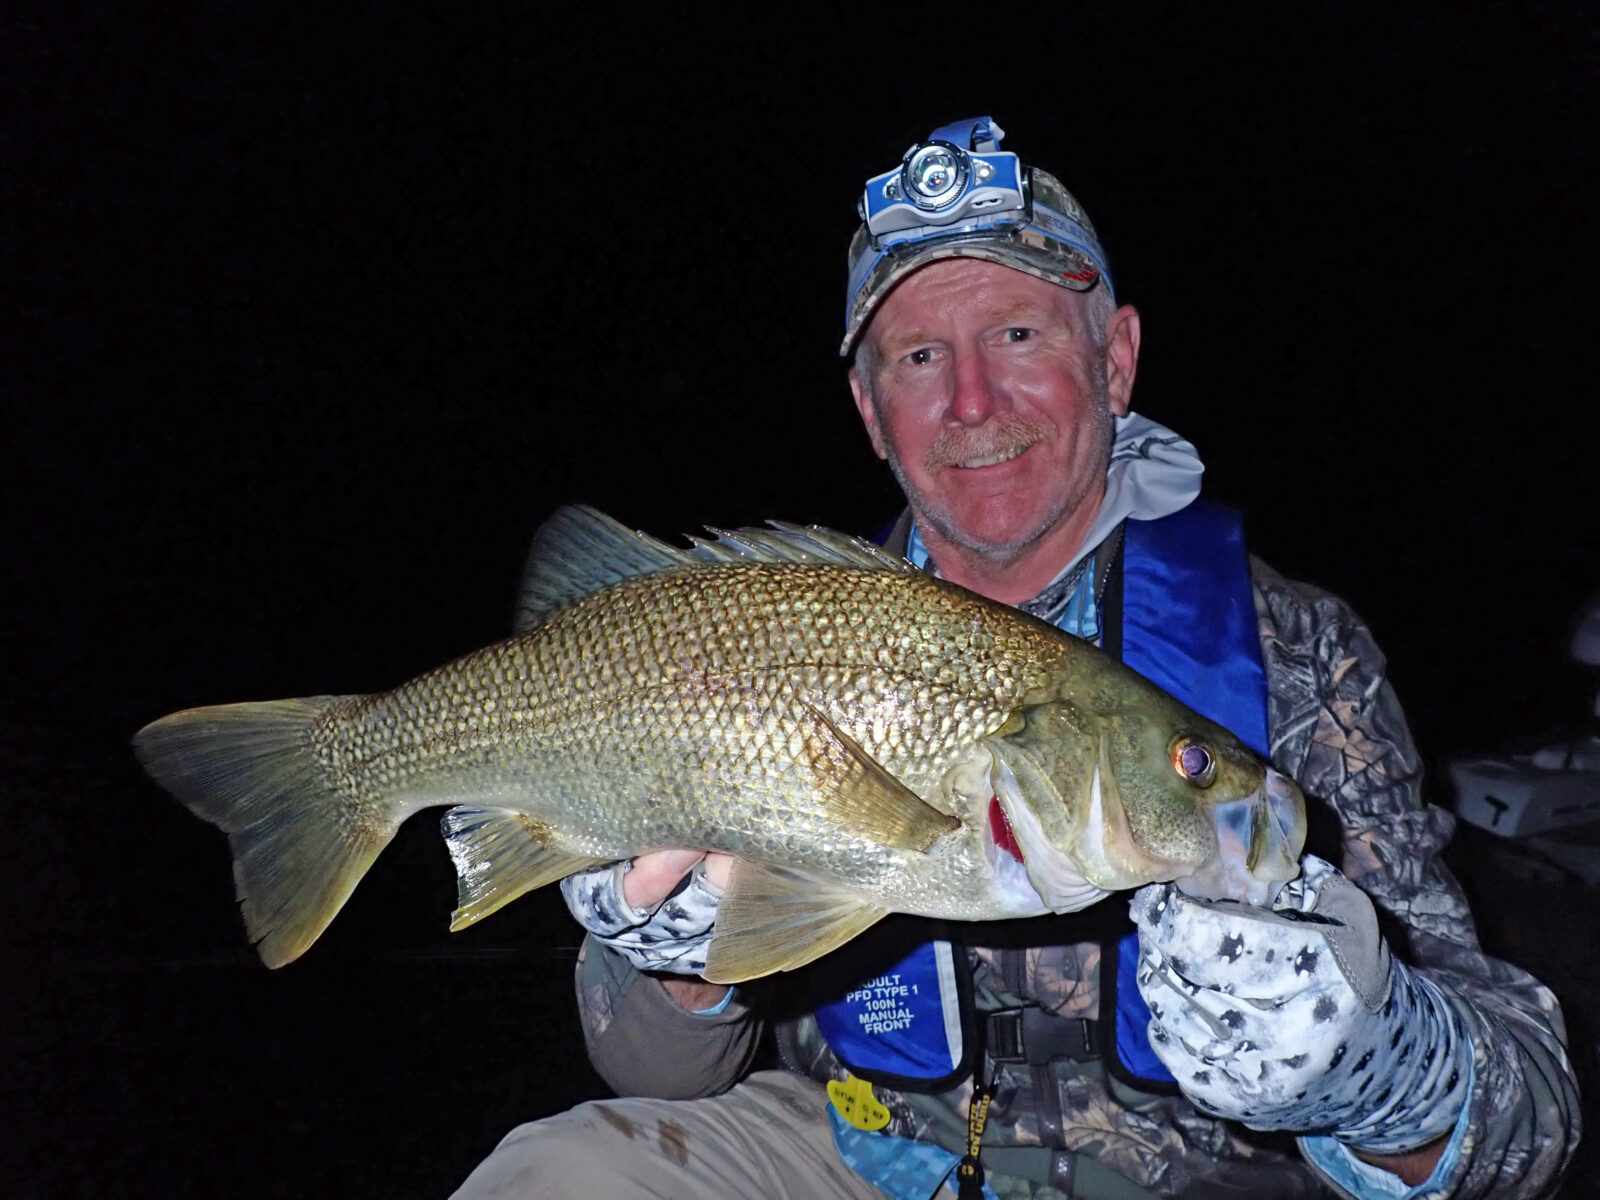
<point x="795" y="699"/>
<point x="688" y="690"/>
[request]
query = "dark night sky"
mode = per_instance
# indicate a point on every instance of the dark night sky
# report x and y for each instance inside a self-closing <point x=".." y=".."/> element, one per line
<point x="310" y="320"/>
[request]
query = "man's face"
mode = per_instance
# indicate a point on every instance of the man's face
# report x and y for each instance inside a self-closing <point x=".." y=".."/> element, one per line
<point x="991" y="401"/>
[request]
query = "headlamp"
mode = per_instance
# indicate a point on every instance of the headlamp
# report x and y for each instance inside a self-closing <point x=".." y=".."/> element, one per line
<point x="958" y="195"/>
<point x="941" y="187"/>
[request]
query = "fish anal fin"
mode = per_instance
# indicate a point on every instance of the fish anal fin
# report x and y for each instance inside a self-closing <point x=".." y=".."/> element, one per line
<point x="774" y="918"/>
<point x="861" y="796"/>
<point x="501" y="854"/>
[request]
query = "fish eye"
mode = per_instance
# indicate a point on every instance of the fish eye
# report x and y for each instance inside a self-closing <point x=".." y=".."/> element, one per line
<point x="1193" y="759"/>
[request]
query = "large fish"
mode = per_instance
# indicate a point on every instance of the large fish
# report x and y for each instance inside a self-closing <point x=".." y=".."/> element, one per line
<point x="864" y="738"/>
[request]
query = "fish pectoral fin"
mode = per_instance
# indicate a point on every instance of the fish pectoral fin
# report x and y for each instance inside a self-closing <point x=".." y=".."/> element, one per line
<point x="862" y="797"/>
<point x="775" y="918"/>
<point x="501" y="854"/>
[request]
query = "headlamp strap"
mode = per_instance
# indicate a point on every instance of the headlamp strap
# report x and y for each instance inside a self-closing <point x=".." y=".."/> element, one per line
<point x="974" y="133"/>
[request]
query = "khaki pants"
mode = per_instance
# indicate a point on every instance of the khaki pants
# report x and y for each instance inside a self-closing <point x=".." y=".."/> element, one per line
<point x="769" y="1138"/>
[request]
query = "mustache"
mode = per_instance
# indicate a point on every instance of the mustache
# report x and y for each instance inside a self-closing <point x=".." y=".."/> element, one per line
<point x="1002" y="434"/>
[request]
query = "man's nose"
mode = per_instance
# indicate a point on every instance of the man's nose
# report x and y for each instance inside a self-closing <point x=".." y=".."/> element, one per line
<point x="977" y="395"/>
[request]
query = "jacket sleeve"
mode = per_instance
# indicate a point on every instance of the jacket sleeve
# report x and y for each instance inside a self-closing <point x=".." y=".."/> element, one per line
<point x="643" y="1044"/>
<point x="1338" y="729"/>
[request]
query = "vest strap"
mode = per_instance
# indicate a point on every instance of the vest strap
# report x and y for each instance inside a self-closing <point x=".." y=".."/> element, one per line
<point x="1189" y="617"/>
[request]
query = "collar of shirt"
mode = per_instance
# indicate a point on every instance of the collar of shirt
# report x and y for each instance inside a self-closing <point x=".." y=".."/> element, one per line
<point x="1153" y="472"/>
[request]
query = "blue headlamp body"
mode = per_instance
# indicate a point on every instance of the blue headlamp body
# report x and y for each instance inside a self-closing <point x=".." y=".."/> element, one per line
<point x="944" y="189"/>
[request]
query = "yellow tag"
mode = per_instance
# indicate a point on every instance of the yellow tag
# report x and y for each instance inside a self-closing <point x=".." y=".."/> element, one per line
<point x="856" y="1104"/>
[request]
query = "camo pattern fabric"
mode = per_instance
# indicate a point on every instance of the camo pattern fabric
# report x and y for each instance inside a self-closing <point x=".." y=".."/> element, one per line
<point x="1337" y="728"/>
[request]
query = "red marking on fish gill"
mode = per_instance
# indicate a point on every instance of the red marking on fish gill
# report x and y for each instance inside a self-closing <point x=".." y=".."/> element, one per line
<point x="1000" y="830"/>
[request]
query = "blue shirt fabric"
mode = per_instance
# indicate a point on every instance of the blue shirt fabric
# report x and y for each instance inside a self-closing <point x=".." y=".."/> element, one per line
<point x="1368" y="1182"/>
<point x="898" y="1167"/>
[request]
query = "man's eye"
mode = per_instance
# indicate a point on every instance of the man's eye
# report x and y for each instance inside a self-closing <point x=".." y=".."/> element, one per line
<point x="920" y="358"/>
<point x="1018" y="335"/>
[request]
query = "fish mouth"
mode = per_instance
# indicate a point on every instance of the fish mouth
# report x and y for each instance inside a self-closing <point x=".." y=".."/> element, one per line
<point x="1259" y="841"/>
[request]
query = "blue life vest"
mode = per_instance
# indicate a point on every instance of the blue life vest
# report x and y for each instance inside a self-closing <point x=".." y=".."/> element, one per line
<point x="1188" y="624"/>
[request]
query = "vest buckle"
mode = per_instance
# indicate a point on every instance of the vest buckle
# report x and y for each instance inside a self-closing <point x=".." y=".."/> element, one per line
<point x="1031" y="1035"/>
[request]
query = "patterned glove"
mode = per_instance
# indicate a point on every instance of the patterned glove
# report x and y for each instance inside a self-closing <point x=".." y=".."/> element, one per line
<point x="1296" y="1017"/>
<point x="673" y="936"/>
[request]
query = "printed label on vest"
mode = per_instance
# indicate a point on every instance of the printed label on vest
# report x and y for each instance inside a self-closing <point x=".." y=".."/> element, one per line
<point x="905" y="1024"/>
<point x="884" y="1004"/>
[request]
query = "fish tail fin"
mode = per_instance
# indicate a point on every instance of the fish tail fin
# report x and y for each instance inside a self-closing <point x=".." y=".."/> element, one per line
<point x="300" y="844"/>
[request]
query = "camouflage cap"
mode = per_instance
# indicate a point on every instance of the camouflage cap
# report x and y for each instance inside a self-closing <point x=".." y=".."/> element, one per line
<point x="1057" y="243"/>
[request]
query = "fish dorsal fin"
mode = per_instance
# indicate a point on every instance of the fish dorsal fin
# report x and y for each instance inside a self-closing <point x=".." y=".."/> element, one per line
<point x="841" y="549"/>
<point x="786" y="543"/>
<point x="773" y="918"/>
<point x="859" y="795"/>
<point x="580" y="550"/>
<point x="715" y="551"/>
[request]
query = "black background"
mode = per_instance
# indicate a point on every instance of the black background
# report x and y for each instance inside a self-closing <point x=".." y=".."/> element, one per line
<point x="310" y="318"/>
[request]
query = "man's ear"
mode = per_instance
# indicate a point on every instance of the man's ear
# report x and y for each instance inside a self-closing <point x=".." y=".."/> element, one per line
<point x="868" y="417"/>
<point x="1122" y="357"/>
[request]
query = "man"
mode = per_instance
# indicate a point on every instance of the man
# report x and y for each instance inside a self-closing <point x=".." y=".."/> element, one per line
<point x="993" y="370"/>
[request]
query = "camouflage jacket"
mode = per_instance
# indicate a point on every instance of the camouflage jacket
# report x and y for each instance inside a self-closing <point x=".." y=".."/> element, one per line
<point x="1337" y="728"/>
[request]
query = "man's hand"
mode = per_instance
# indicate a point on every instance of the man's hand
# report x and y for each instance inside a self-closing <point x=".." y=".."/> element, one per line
<point x="655" y="874"/>
<point x="657" y="911"/>
<point x="1296" y="1017"/>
